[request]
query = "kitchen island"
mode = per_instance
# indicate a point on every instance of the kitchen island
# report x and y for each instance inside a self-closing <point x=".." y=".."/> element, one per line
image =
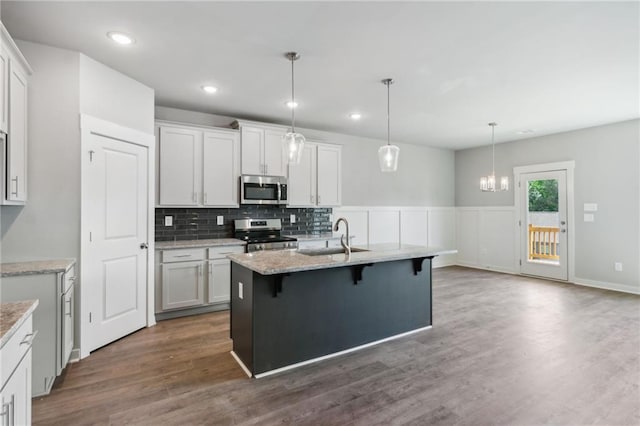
<point x="289" y="308"/>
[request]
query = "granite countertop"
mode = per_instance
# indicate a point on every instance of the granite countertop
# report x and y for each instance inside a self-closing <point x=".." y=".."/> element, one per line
<point x="12" y="315"/>
<point x="318" y="237"/>
<point x="35" y="267"/>
<point x="214" y="242"/>
<point x="284" y="261"/>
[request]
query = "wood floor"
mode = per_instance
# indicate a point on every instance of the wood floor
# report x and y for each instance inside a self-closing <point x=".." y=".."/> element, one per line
<point x="503" y="350"/>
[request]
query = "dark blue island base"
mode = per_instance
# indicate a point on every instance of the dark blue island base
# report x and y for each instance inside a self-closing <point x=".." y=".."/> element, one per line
<point x="280" y="321"/>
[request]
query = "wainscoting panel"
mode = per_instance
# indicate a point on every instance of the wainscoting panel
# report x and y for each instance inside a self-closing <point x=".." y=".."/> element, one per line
<point x="426" y="226"/>
<point x="486" y="238"/>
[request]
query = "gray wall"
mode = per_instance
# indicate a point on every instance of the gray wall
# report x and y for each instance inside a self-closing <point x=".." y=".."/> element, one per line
<point x="48" y="226"/>
<point x="607" y="164"/>
<point x="425" y="176"/>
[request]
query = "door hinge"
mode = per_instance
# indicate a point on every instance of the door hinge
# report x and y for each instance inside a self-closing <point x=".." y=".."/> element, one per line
<point x="90" y="237"/>
<point x="519" y="223"/>
<point x="520" y="262"/>
<point x="90" y="317"/>
<point x="91" y="152"/>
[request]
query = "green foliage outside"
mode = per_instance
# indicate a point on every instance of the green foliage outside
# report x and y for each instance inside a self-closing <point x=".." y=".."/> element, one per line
<point x="543" y="195"/>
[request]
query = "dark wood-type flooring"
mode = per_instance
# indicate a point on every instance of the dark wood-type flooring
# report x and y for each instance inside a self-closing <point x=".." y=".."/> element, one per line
<point x="503" y="349"/>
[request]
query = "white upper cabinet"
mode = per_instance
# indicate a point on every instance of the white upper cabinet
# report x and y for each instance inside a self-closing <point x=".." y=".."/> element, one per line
<point x="4" y="89"/>
<point x="220" y="169"/>
<point x="179" y="151"/>
<point x="302" y="179"/>
<point x="262" y="152"/>
<point x="197" y="167"/>
<point x="317" y="180"/>
<point x="329" y="175"/>
<point x="14" y="73"/>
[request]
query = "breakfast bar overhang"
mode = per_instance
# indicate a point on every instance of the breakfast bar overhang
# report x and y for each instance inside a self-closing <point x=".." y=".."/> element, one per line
<point x="289" y="309"/>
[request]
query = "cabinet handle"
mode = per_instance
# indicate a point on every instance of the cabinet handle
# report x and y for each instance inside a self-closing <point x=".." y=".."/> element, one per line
<point x="8" y="412"/>
<point x="69" y="312"/>
<point x="28" y="339"/>
<point x="318" y="200"/>
<point x="194" y="197"/>
<point x="311" y="199"/>
<point x="204" y="198"/>
<point x="183" y="255"/>
<point x="266" y="169"/>
<point x="16" y="181"/>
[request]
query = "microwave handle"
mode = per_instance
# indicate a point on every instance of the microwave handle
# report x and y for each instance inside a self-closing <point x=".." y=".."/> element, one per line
<point x="279" y="192"/>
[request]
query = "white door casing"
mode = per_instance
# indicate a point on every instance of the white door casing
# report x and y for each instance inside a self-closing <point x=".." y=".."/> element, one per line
<point x="116" y="226"/>
<point x="564" y="172"/>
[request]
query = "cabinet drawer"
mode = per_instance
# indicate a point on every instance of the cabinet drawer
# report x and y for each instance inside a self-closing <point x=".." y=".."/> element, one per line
<point x="13" y="351"/>
<point x="69" y="279"/>
<point x="222" y="252"/>
<point x="182" y="255"/>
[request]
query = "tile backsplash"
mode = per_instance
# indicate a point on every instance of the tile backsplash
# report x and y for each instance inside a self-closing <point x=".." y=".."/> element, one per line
<point x="200" y="224"/>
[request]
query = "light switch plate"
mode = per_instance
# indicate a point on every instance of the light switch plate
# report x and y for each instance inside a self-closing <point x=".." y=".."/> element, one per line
<point x="618" y="266"/>
<point x="588" y="217"/>
<point x="292" y="218"/>
<point x="220" y="220"/>
<point x="168" y="221"/>
<point x="590" y="207"/>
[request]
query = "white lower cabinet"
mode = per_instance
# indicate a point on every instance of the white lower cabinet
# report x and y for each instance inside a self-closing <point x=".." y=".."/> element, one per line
<point x="15" y="389"/>
<point x="182" y="283"/>
<point x="53" y="318"/>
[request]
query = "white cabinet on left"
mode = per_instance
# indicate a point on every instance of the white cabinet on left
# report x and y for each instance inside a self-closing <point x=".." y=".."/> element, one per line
<point x="197" y="166"/>
<point x="15" y="378"/>
<point x="14" y="73"/>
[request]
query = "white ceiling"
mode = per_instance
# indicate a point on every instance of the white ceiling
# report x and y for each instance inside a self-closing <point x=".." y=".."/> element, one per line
<point x="547" y="66"/>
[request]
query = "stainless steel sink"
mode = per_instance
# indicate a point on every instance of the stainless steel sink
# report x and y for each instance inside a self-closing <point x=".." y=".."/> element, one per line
<point x="326" y="251"/>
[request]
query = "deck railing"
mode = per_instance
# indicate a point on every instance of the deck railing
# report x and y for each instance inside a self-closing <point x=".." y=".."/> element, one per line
<point x="543" y="242"/>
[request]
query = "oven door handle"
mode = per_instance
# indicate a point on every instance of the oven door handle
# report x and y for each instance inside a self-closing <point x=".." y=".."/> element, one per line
<point x="279" y="193"/>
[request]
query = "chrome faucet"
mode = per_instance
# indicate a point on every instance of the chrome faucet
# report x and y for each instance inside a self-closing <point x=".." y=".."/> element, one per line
<point x="346" y="246"/>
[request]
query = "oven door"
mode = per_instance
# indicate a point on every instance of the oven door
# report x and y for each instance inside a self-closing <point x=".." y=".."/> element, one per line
<point x="261" y="189"/>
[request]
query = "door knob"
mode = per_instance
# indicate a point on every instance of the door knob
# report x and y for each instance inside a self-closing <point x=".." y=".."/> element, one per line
<point x="563" y="222"/>
<point x="563" y="230"/>
<point x="144" y="246"/>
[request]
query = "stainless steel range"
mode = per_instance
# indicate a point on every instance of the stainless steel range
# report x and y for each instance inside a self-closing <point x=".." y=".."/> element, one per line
<point x="263" y="234"/>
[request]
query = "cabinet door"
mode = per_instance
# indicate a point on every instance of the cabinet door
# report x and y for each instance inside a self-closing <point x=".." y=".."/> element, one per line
<point x="219" y="281"/>
<point x="275" y="161"/>
<point x="179" y="166"/>
<point x="302" y="179"/>
<point x="67" y="327"/>
<point x="15" y="399"/>
<point x="17" y="139"/>
<point x="4" y="90"/>
<point x="252" y="140"/>
<point x="182" y="285"/>
<point x="329" y="175"/>
<point x="220" y="169"/>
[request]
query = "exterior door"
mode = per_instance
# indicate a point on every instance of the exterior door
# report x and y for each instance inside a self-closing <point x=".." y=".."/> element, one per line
<point x="543" y="224"/>
<point x="116" y="179"/>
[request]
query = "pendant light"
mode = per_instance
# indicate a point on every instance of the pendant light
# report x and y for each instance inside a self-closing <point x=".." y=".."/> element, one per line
<point x="388" y="154"/>
<point x="488" y="183"/>
<point x="292" y="142"/>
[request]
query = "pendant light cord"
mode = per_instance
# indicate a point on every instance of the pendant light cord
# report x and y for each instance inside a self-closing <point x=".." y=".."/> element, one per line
<point x="293" y="97"/>
<point x="388" y="114"/>
<point x="493" y="150"/>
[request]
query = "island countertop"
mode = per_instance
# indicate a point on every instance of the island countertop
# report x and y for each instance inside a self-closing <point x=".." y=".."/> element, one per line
<point x="271" y="262"/>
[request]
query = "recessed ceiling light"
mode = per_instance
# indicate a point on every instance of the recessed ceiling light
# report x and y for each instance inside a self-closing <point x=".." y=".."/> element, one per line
<point x="526" y="132"/>
<point x="355" y="116"/>
<point x="121" y="38"/>
<point x="291" y="104"/>
<point x="210" y="89"/>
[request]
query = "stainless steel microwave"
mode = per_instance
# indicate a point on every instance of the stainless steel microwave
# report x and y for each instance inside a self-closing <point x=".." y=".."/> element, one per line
<point x="256" y="189"/>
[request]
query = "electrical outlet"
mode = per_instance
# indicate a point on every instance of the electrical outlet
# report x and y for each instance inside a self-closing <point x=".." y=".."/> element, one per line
<point x="220" y="220"/>
<point x="240" y="290"/>
<point x="588" y="217"/>
<point x="168" y="221"/>
<point x="590" y="207"/>
<point x="618" y="266"/>
<point x="292" y="218"/>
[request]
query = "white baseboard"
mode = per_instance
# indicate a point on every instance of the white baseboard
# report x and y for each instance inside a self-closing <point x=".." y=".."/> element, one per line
<point x="488" y="268"/>
<point x="607" y="286"/>
<point x="75" y="355"/>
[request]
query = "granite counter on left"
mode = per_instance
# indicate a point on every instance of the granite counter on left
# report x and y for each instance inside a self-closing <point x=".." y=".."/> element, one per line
<point x="12" y="315"/>
<point x="35" y="267"/>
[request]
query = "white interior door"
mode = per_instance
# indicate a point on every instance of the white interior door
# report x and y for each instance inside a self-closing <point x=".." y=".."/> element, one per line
<point x="543" y="219"/>
<point x="116" y="187"/>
